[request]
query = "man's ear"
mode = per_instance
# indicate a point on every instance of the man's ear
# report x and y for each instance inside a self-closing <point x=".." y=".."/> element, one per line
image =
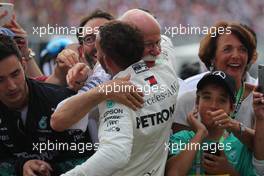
<point x="111" y="65"/>
<point x="108" y="62"/>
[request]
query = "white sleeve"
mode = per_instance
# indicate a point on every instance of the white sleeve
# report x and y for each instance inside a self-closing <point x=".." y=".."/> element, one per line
<point x="185" y="104"/>
<point x="258" y="165"/>
<point x="98" y="77"/>
<point x="116" y="140"/>
<point x="81" y="124"/>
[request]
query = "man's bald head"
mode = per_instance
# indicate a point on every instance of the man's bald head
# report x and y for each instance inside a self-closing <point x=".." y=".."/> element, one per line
<point x="149" y="27"/>
<point x="144" y="21"/>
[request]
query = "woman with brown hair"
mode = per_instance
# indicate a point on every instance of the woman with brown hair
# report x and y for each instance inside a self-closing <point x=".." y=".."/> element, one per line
<point x="232" y="51"/>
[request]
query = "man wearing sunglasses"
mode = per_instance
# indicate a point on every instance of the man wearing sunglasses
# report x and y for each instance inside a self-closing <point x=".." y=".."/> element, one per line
<point x="86" y="34"/>
<point x="81" y="55"/>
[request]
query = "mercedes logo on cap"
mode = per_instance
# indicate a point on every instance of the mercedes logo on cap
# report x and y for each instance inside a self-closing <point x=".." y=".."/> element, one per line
<point x="220" y="73"/>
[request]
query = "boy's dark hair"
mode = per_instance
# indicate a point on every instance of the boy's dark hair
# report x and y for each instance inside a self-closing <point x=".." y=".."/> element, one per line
<point x="8" y="47"/>
<point x="95" y="14"/>
<point x="122" y="42"/>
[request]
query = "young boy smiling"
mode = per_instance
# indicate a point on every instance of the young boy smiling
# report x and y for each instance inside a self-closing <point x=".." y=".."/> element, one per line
<point x="214" y="102"/>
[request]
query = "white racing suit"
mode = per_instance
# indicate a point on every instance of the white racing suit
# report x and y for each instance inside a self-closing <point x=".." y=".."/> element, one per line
<point x="133" y="143"/>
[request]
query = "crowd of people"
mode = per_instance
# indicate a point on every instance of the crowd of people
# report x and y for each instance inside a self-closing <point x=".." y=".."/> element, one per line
<point x="114" y="105"/>
<point x="169" y="12"/>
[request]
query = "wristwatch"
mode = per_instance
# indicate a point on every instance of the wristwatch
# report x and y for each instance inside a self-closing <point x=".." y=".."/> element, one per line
<point x="31" y="54"/>
<point x="242" y="128"/>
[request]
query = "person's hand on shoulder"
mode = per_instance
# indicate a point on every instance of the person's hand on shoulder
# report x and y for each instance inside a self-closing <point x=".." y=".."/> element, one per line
<point x="124" y="92"/>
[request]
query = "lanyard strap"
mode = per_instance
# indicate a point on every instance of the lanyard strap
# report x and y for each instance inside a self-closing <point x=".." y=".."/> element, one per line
<point x="198" y="163"/>
<point x="223" y="137"/>
<point x="239" y="99"/>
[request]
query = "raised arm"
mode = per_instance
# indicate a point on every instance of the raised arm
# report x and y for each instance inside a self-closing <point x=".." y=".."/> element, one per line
<point x="258" y="105"/>
<point x="79" y="105"/>
<point x="174" y="164"/>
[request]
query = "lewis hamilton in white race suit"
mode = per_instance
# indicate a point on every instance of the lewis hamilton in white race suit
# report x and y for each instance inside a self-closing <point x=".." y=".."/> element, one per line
<point x="133" y="143"/>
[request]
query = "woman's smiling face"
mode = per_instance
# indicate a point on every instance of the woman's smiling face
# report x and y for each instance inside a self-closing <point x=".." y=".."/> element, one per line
<point x="231" y="56"/>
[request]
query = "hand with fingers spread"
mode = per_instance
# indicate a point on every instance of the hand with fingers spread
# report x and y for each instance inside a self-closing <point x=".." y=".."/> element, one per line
<point x="37" y="168"/>
<point x="222" y="120"/>
<point x="196" y="124"/>
<point x="129" y="94"/>
<point x="77" y="76"/>
<point x="214" y="164"/>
